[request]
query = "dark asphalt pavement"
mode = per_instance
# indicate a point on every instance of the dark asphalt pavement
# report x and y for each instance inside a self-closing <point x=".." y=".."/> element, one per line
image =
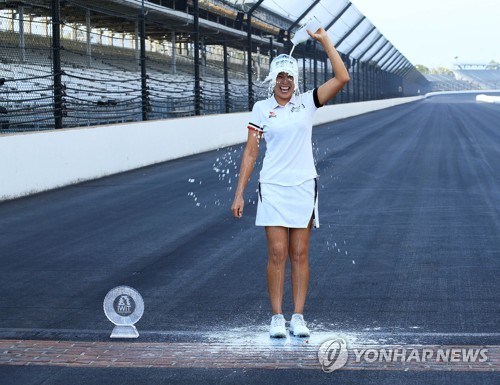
<point x="408" y="250"/>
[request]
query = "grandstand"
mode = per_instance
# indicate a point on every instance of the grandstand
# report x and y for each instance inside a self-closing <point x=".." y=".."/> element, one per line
<point x="467" y="77"/>
<point x="96" y="72"/>
<point x="484" y="76"/>
<point x="442" y="82"/>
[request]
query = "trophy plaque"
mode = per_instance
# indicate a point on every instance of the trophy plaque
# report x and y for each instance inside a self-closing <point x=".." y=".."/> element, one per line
<point x="124" y="306"/>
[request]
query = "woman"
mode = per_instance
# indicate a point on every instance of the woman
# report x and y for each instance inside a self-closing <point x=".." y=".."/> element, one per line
<point x="287" y="204"/>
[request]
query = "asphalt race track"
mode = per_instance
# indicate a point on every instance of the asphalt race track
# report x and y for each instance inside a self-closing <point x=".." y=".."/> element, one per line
<point x="408" y="254"/>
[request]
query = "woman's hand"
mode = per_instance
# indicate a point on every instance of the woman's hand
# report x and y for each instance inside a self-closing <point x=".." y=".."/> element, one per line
<point x="237" y="207"/>
<point x="319" y="35"/>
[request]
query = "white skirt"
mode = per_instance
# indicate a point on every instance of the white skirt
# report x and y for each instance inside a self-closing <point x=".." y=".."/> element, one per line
<point x="288" y="206"/>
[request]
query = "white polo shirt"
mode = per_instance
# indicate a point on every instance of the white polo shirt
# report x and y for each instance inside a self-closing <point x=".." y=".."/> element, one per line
<point x="287" y="131"/>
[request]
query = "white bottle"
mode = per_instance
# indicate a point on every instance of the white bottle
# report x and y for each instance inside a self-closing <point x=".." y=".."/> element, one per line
<point x="301" y="34"/>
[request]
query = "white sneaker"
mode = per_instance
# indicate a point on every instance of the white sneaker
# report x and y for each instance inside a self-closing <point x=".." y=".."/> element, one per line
<point x="277" y="329"/>
<point x="298" y="326"/>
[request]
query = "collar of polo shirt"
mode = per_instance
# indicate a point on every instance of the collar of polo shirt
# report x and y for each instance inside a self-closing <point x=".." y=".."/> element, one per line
<point x="274" y="103"/>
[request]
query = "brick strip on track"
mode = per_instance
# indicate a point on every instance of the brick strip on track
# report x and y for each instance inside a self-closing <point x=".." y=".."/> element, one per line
<point x="214" y="355"/>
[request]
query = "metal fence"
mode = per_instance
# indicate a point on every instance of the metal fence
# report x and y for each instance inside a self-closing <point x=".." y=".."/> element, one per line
<point x="78" y="63"/>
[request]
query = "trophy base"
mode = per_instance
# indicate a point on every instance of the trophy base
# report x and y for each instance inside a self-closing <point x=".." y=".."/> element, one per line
<point x="124" y="331"/>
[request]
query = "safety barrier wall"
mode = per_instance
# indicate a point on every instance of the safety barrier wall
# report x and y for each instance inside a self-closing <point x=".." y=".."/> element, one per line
<point x="487" y="98"/>
<point x="39" y="161"/>
<point x="437" y="93"/>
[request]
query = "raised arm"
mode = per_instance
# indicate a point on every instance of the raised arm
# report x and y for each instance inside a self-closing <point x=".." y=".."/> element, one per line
<point x="329" y="89"/>
<point x="247" y="164"/>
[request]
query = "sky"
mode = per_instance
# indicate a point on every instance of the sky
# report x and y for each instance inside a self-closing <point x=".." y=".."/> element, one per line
<point x="434" y="32"/>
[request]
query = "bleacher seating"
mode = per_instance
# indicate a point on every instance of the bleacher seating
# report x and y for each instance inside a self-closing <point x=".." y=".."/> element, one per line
<point x="487" y="79"/>
<point x="440" y="82"/>
<point x="107" y="88"/>
<point x="96" y="96"/>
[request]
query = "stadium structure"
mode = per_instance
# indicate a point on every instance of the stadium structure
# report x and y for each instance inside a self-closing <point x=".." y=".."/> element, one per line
<point x="481" y="76"/>
<point x="70" y="63"/>
<point x="467" y="76"/>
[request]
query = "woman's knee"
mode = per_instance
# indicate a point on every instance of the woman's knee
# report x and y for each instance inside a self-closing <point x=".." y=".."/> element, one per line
<point x="298" y="256"/>
<point x="278" y="254"/>
<point x="299" y="245"/>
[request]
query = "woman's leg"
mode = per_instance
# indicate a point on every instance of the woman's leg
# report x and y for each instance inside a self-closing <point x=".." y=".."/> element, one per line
<point x="277" y="248"/>
<point x="299" y="250"/>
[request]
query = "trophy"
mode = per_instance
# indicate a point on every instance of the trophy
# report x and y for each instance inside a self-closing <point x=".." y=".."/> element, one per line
<point x="124" y="306"/>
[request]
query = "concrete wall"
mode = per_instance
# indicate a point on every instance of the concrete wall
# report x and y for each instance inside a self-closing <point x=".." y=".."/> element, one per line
<point x="39" y="161"/>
